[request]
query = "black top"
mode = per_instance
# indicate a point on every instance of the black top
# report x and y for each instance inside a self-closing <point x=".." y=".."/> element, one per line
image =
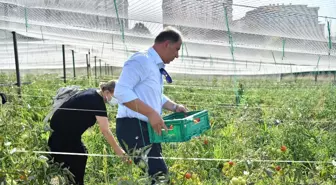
<point x="74" y="123"/>
<point x="3" y="98"/>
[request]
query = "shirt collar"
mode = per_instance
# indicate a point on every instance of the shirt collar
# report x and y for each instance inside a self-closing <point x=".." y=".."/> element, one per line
<point x="157" y="58"/>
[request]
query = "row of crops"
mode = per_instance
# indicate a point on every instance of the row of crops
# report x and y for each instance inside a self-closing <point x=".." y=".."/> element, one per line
<point x="277" y="133"/>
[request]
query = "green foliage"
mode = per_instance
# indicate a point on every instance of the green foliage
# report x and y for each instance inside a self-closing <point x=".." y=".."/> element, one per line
<point x="270" y="114"/>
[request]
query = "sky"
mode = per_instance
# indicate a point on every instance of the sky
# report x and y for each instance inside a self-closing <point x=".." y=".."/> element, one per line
<point x="151" y="10"/>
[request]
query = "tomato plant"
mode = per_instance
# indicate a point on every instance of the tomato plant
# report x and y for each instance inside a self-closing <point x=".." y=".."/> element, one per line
<point x="274" y="121"/>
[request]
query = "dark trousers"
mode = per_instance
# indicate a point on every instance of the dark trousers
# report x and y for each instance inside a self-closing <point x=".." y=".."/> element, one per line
<point x="130" y="137"/>
<point x="75" y="163"/>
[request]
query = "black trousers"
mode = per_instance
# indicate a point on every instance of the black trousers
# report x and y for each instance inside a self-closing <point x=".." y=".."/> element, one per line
<point x="75" y="163"/>
<point x="130" y="137"/>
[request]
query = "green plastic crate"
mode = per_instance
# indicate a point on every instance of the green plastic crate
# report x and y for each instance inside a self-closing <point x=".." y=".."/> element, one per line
<point x="181" y="127"/>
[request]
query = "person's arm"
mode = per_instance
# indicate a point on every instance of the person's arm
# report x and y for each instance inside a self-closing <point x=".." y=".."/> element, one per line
<point x="172" y="106"/>
<point x="132" y="73"/>
<point x="105" y="130"/>
<point x="154" y="118"/>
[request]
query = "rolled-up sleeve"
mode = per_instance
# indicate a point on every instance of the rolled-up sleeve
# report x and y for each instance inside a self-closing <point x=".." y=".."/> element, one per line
<point x="132" y="73"/>
<point x="164" y="99"/>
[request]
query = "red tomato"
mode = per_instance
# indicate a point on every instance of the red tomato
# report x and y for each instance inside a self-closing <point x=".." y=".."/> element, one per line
<point x="206" y="142"/>
<point x="129" y="161"/>
<point x="197" y="120"/>
<point x="231" y="163"/>
<point x="283" y="148"/>
<point x="23" y="177"/>
<point x="187" y="175"/>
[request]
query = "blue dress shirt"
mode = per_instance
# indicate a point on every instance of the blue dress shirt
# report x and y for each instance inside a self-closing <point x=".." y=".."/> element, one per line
<point x="141" y="78"/>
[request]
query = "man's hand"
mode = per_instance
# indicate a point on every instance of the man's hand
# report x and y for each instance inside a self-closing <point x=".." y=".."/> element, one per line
<point x="157" y="122"/>
<point x="154" y="118"/>
<point x="181" y="108"/>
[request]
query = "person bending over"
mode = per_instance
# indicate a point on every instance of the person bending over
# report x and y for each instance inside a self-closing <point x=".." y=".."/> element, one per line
<point x="73" y="118"/>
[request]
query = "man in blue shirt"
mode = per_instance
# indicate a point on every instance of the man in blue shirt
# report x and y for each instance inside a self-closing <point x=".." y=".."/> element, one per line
<point x="140" y="94"/>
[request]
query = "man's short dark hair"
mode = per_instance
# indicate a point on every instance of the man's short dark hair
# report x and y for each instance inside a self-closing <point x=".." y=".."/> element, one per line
<point x="169" y="33"/>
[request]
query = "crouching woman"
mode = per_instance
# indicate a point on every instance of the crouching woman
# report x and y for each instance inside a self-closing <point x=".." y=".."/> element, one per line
<point x="73" y="118"/>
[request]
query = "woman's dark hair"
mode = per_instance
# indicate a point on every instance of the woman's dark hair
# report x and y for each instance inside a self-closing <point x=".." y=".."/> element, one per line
<point x="109" y="86"/>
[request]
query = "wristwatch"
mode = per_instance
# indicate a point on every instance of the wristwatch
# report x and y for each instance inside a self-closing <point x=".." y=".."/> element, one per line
<point x="174" y="107"/>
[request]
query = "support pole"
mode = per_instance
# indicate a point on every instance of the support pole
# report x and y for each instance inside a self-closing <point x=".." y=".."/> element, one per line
<point x="89" y="58"/>
<point x="105" y="69"/>
<point x="100" y="68"/>
<point x="17" y="67"/>
<point x="87" y="65"/>
<point x="112" y="71"/>
<point x="64" y="71"/>
<point x="73" y="63"/>
<point x="280" y="77"/>
<point x="95" y="61"/>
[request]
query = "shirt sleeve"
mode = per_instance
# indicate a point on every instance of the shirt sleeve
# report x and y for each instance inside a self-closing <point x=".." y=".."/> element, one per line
<point x="132" y="73"/>
<point x="164" y="99"/>
<point x="99" y="108"/>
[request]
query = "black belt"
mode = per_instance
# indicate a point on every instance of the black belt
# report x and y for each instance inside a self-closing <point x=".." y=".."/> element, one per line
<point x="131" y="119"/>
